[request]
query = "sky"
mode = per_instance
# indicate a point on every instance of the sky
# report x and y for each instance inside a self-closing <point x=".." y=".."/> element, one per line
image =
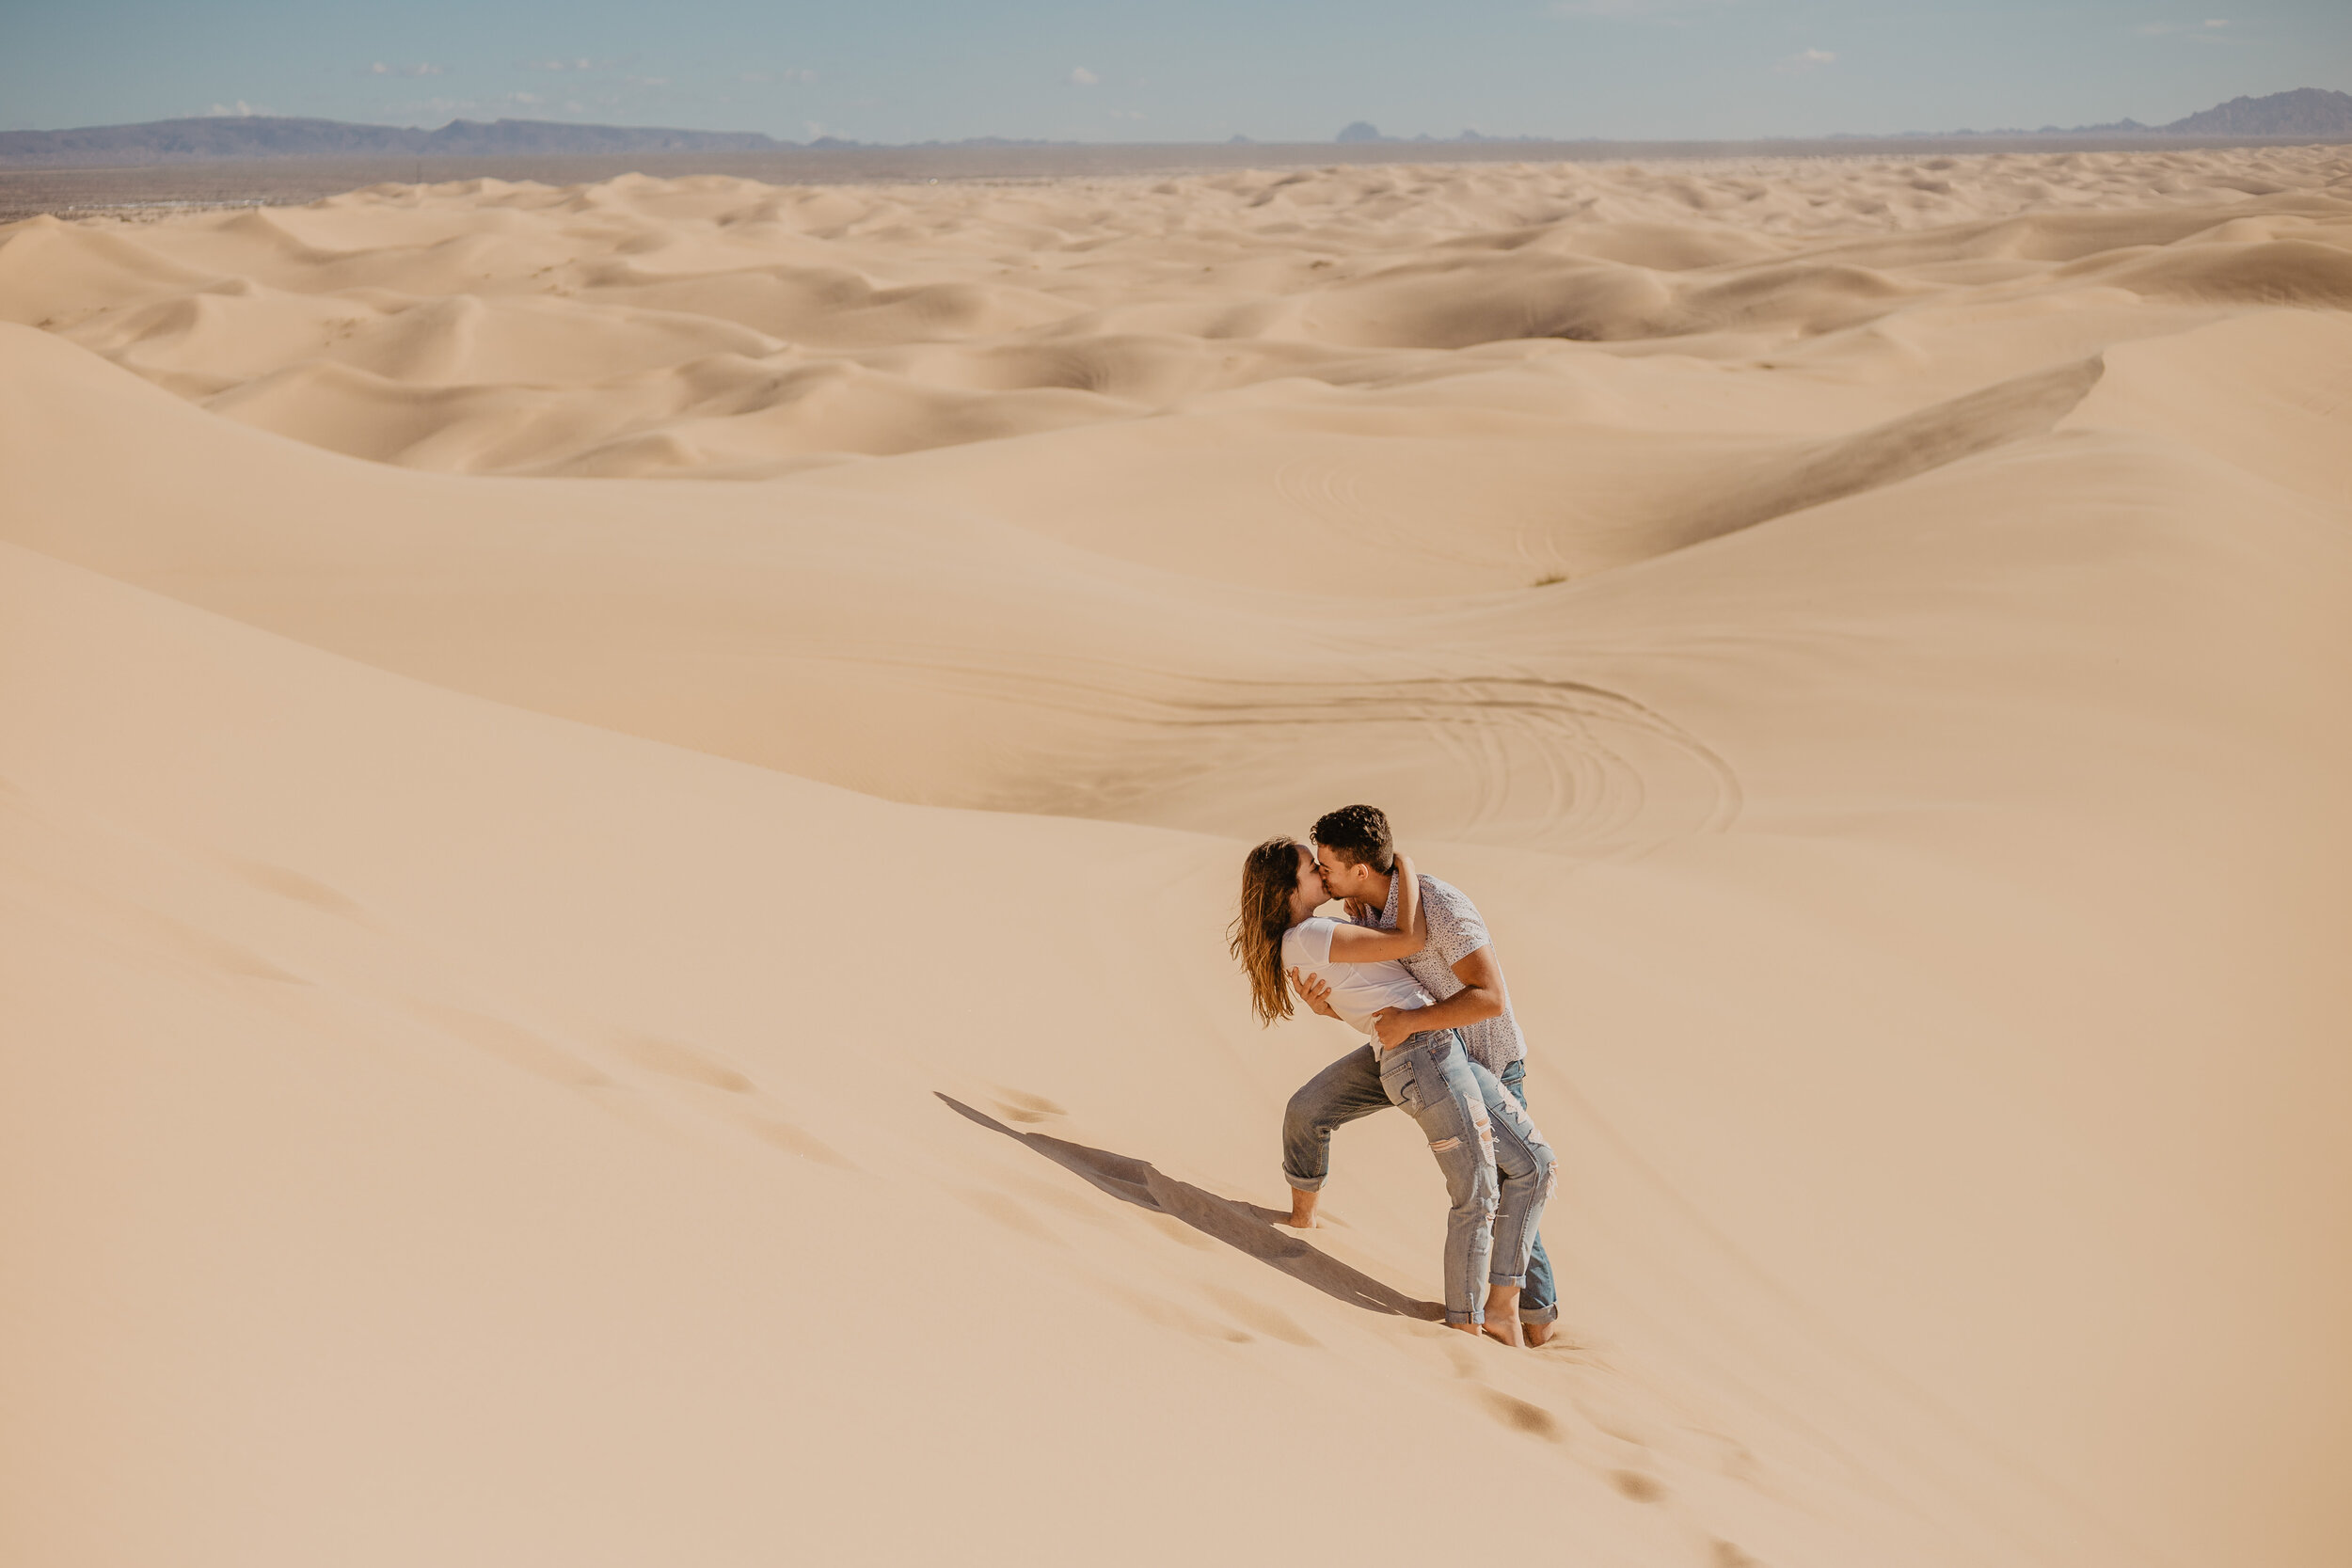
<point x="908" y="70"/>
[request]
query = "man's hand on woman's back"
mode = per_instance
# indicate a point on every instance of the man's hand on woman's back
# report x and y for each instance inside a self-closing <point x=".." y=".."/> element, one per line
<point x="1312" y="992"/>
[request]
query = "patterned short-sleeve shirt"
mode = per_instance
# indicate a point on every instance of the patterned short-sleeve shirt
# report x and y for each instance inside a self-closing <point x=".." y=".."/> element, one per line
<point x="1456" y="932"/>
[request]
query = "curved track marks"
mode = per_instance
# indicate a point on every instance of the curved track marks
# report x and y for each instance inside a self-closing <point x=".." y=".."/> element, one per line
<point x="1564" y="765"/>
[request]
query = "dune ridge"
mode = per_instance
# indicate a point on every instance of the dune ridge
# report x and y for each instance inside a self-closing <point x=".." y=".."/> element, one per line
<point x="563" y="1014"/>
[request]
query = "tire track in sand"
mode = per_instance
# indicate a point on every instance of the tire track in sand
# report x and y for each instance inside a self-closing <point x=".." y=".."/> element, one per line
<point x="1557" y="763"/>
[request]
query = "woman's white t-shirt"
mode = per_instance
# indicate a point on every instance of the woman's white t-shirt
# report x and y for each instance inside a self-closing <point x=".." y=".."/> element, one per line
<point x="1358" y="990"/>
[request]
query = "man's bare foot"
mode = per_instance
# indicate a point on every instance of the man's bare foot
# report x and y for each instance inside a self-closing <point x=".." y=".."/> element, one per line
<point x="1303" y="1211"/>
<point x="1538" y="1334"/>
<point x="1468" y="1328"/>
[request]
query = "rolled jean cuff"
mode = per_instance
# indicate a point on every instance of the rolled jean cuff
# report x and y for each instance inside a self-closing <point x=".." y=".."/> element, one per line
<point x="1518" y="1281"/>
<point x="1305" y="1184"/>
<point x="1475" y="1315"/>
<point x="1540" y="1314"/>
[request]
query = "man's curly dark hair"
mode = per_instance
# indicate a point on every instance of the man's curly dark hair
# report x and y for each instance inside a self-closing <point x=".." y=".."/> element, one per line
<point x="1358" y="834"/>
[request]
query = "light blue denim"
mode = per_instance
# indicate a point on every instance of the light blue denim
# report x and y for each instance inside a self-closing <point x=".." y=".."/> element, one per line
<point x="1539" y="1299"/>
<point x="1350" y="1088"/>
<point x="1498" y="1168"/>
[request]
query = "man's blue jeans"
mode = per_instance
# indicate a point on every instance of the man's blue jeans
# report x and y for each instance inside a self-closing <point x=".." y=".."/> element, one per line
<point x="1350" y="1088"/>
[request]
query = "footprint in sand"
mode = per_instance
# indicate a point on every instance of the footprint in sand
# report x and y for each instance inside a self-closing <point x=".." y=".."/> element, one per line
<point x="513" y="1044"/>
<point x="1266" y="1319"/>
<point x="1010" y="1214"/>
<point x="792" y="1140"/>
<point x="691" y="1064"/>
<point x="1519" y="1415"/>
<point x="1173" y="1316"/>
<point x="1614" y="1421"/>
<point x="219" y="952"/>
<point x="290" y="885"/>
<point x="1018" y="1105"/>
<point x="683" y="1062"/>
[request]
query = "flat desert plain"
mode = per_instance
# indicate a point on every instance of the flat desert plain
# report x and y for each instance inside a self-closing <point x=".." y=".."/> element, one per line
<point x="621" y="803"/>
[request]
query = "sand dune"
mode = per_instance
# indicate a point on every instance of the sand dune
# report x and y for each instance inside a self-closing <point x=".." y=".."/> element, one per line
<point x="561" y="1014"/>
<point x="715" y="325"/>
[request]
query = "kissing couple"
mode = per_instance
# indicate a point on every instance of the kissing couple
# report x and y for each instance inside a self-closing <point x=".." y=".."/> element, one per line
<point x="1411" y="968"/>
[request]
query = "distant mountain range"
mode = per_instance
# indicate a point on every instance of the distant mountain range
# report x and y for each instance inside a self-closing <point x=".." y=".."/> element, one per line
<point x="242" y="137"/>
<point x="267" y="136"/>
<point x="2304" y="112"/>
<point x="2313" y="112"/>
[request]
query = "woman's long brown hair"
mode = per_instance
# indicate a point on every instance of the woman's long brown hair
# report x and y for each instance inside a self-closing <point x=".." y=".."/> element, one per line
<point x="1269" y="878"/>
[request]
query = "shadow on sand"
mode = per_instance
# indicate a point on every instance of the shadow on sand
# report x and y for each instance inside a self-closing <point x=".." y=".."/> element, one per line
<point x="1245" y="1227"/>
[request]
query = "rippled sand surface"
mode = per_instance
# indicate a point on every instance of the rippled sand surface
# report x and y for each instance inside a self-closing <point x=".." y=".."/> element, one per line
<point x="491" y="924"/>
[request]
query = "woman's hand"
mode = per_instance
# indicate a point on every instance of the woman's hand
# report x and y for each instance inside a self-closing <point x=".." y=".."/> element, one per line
<point x="1395" y="1025"/>
<point x="1410" y="918"/>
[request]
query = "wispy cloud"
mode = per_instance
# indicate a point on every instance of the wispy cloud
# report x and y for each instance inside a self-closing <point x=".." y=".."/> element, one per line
<point x="2211" y="29"/>
<point x="381" y="69"/>
<point x="772" y="78"/>
<point x="1081" y="76"/>
<point x="239" y="110"/>
<point x="1673" y="13"/>
<point x="558" y="64"/>
<point x="499" y="105"/>
<point x="1806" y="59"/>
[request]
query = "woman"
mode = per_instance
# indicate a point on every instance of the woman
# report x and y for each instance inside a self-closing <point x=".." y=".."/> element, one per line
<point x="1475" y="1128"/>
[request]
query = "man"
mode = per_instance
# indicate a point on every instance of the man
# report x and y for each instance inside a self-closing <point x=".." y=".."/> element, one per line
<point x="1358" y="858"/>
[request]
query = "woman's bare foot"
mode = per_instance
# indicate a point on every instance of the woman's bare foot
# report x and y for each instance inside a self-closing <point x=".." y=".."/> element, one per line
<point x="1503" y="1315"/>
<point x="1302" y="1211"/>
<point x="1537" y="1333"/>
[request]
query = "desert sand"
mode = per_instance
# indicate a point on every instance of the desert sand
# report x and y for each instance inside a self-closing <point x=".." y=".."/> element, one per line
<point x="620" y="804"/>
